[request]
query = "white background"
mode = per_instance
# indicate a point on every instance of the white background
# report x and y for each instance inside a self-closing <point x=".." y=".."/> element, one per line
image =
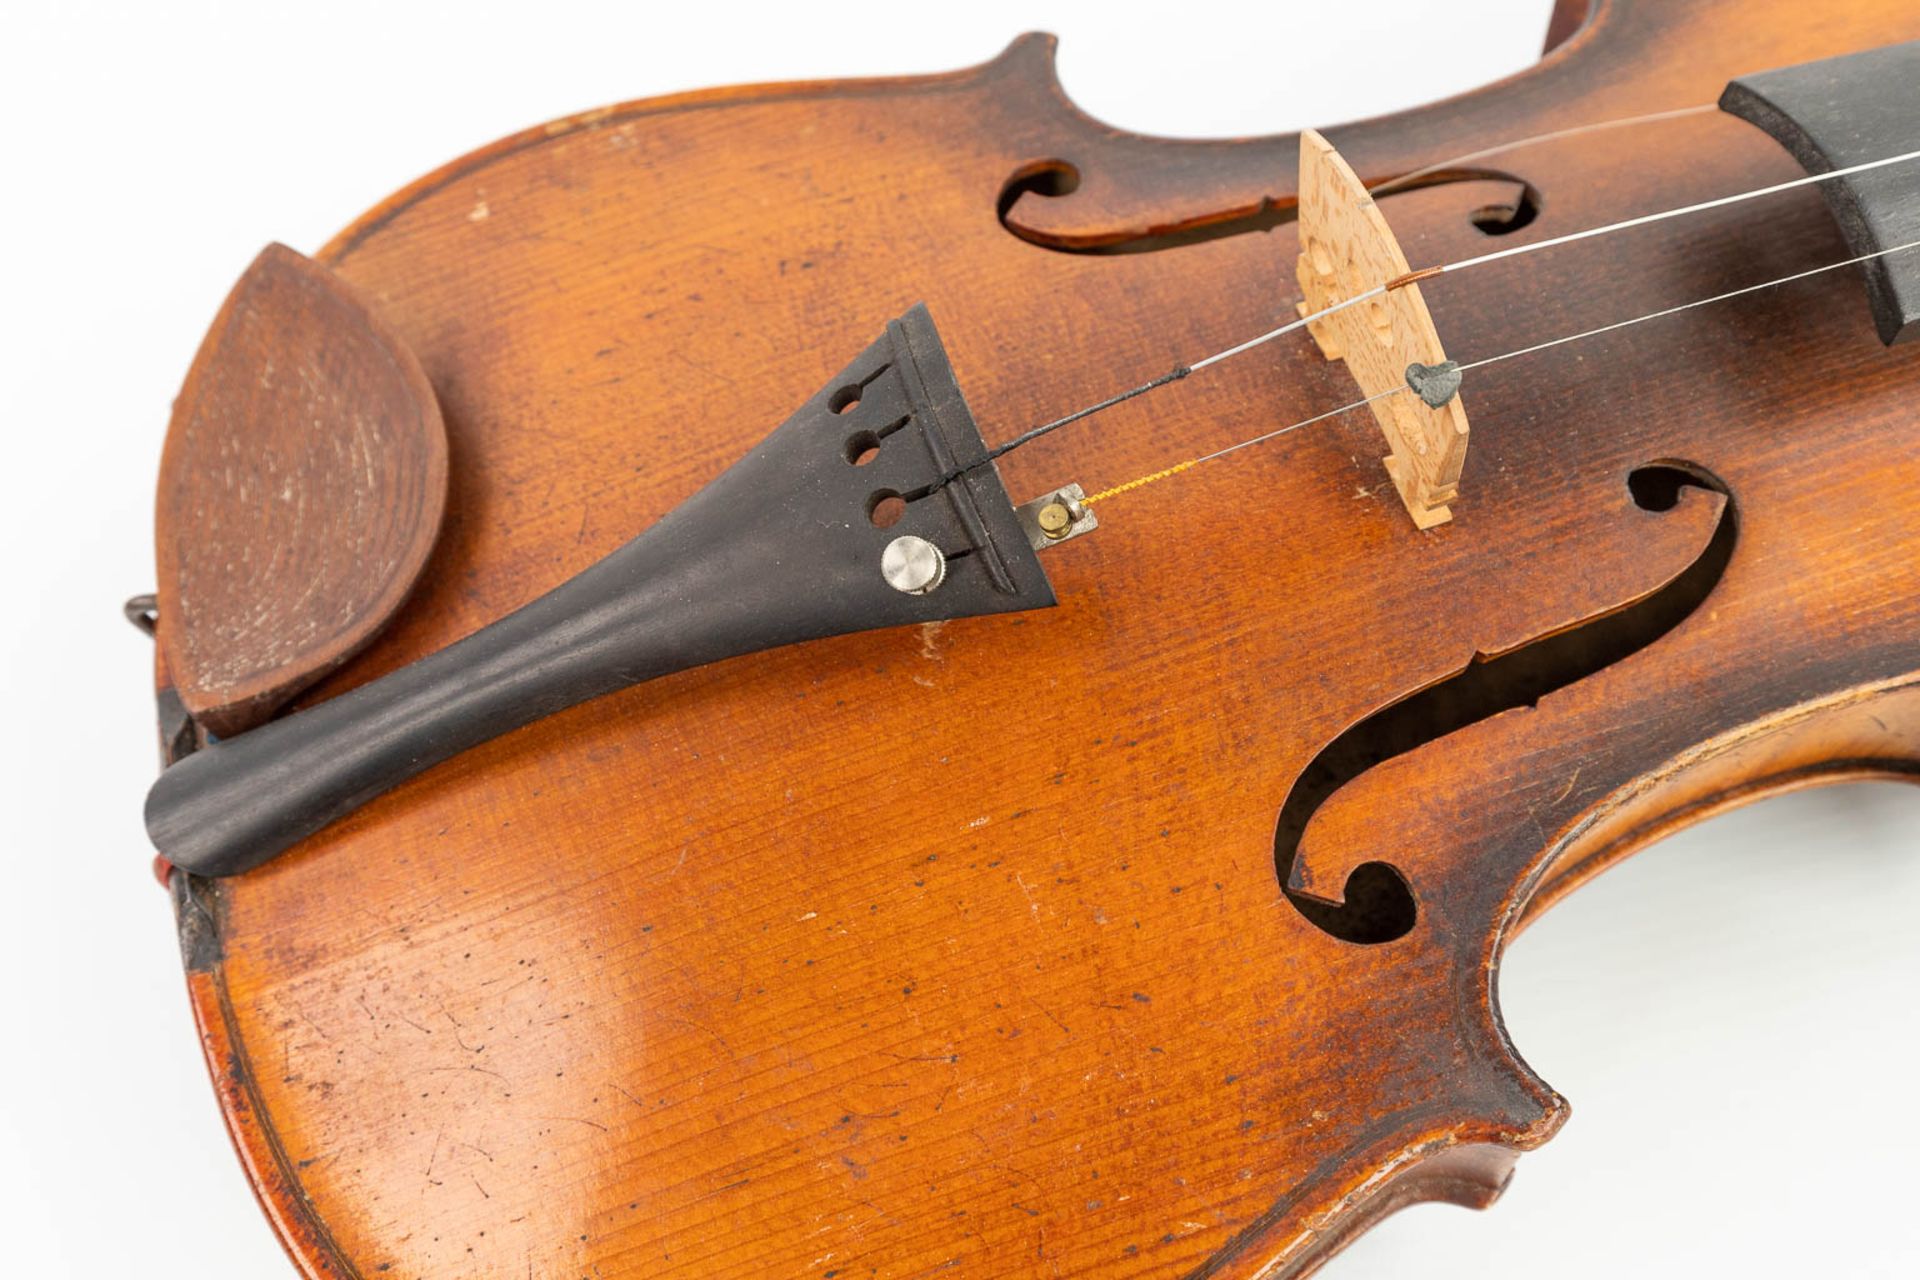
<point x="1739" y="1046"/>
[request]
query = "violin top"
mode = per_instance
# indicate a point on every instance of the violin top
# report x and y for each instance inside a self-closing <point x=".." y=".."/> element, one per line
<point x="1137" y="920"/>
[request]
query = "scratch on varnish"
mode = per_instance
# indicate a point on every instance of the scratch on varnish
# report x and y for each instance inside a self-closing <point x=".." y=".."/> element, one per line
<point x="470" y="1067"/>
<point x="1054" y="1019"/>
<point x="1033" y="904"/>
<point x="318" y="1029"/>
<point x="595" y="1124"/>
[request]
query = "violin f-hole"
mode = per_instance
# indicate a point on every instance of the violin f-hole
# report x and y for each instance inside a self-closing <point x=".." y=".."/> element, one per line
<point x="1504" y="219"/>
<point x="1378" y="904"/>
<point x="1507" y="210"/>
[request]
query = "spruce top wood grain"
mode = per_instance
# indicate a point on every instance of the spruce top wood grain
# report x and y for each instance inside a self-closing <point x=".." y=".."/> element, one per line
<point x="977" y="948"/>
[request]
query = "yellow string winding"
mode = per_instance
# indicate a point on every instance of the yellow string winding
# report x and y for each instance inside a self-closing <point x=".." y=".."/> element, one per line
<point x="1135" y="484"/>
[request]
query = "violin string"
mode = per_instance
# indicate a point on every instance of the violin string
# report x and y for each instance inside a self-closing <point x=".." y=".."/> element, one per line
<point x="1554" y="242"/>
<point x="1000" y="450"/>
<point x="1645" y="219"/>
<point x="1385" y="187"/>
<point x="1175" y="374"/>
<point x="1688" y="306"/>
<point x="1413" y="177"/>
<point x="1482" y="363"/>
<point x="1182" y="371"/>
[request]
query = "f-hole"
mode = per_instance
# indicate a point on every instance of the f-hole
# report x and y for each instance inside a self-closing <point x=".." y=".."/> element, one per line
<point x="1379" y="905"/>
<point x="1055" y="178"/>
<point x="1505" y="219"/>
<point x="1050" y="178"/>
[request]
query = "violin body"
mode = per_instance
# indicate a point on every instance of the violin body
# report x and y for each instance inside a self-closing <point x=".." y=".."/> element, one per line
<point x="975" y="945"/>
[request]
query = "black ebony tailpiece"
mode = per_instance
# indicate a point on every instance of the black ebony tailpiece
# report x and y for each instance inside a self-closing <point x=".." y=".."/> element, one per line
<point x="782" y="547"/>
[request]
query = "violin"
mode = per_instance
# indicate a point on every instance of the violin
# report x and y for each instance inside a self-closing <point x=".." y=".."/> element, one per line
<point x="876" y="677"/>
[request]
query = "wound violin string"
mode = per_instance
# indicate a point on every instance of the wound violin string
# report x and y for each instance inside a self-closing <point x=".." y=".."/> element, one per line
<point x="1191" y="463"/>
<point x="1173" y="375"/>
<point x="1413" y="177"/>
<point x="1688" y="306"/>
<point x="1646" y="219"/>
<point x="1385" y="187"/>
<point x="1482" y="363"/>
<point x="1000" y="450"/>
<point x="1182" y="371"/>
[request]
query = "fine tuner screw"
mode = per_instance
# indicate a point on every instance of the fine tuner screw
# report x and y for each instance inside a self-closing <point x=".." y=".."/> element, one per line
<point x="1055" y="520"/>
<point x="913" y="565"/>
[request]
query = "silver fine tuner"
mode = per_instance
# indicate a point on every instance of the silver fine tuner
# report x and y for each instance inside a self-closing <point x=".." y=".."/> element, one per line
<point x="913" y="565"/>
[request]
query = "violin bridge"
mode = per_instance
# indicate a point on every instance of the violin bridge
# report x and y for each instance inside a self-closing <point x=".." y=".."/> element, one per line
<point x="1347" y="249"/>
